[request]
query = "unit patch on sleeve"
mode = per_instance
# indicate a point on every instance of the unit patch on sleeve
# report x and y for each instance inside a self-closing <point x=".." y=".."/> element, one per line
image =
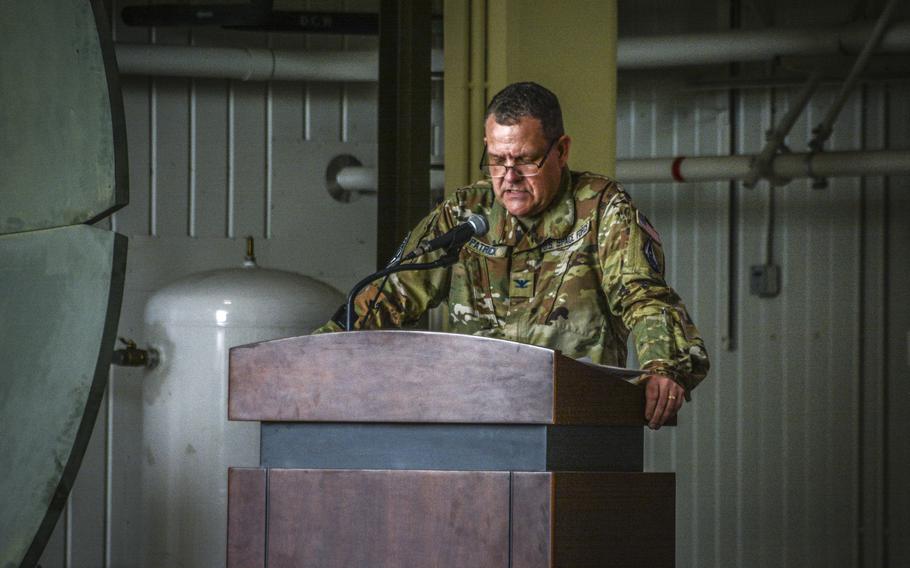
<point x="568" y="240"/>
<point x="651" y="255"/>
<point x="647" y="227"/>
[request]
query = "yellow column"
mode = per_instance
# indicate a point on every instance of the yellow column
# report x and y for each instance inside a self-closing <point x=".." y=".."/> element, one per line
<point x="568" y="47"/>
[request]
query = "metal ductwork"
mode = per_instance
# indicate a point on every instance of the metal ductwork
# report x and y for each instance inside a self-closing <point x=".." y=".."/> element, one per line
<point x="263" y="64"/>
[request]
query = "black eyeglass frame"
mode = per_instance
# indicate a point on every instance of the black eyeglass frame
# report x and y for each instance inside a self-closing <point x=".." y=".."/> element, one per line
<point x="482" y="165"/>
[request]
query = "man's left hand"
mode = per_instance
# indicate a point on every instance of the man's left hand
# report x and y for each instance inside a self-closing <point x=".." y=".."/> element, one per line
<point x="663" y="399"/>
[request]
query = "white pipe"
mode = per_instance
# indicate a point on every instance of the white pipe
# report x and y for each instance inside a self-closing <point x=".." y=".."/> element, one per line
<point x="823" y="131"/>
<point x="785" y="166"/>
<point x="358" y="178"/>
<point x="246" y="64"/>
<point x="761" y="167"/>
<point x="262" y="64"/>
<point x="251" y="63"/>
<point x="707" y="169"/>
<point x="751" y="45"/>
<point x="681" y="169"/>
<point x="362" y="179"/>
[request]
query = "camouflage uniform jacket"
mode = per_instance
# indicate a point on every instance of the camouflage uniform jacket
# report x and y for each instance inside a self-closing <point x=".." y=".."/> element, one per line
<point x="588" y="270"/>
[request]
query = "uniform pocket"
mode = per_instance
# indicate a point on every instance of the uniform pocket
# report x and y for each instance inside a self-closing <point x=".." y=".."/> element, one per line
<point x="470" y="305"/>
<point x="572" y="296"/>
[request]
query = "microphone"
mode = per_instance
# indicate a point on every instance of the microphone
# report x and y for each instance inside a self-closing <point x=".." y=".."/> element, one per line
<point x="454" y="239"/>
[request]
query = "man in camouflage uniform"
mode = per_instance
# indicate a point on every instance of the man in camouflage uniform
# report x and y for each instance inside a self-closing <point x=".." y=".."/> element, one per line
<point x="568" y="262"/>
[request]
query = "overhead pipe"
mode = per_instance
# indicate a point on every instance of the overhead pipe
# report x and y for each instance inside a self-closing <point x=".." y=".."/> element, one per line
<point x="264" y="64"/>
<point x="246" y="63"/>
<point x="252" y="63"/>
<point x="683" y="169"/>
<point x="362" y="179"/>
<point x="823" y="131"/>
<point x="752" y="45"/>
<point x="761" y="167"/>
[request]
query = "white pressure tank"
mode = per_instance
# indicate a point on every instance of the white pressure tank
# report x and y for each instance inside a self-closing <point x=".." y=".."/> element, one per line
<point x="188" y="443"/>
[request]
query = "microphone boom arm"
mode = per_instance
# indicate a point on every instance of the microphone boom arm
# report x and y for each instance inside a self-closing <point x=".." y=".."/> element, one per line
<point x="450" y="258"/>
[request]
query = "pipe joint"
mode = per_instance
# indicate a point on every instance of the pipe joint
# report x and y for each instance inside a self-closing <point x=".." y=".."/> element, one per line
<point x="818" y="181"/>
<point x="131" y="356"/>
<point x="820" y="135"/>
<point x="762" y="166"/>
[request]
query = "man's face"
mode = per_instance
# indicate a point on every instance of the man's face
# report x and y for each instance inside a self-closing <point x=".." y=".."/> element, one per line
<point x="524" y="142"/>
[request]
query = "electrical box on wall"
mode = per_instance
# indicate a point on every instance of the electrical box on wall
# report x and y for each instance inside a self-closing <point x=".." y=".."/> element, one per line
<point x="764" y="280"/>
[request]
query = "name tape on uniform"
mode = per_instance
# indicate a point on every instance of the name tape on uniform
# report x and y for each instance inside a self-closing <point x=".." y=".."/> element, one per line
<point x="487" y="250"/>
<point x="568" y="240"/>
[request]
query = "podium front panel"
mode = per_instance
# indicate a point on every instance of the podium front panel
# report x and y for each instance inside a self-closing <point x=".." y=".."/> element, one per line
<point x="341" y="518"/>
<point x="338" y="518"/>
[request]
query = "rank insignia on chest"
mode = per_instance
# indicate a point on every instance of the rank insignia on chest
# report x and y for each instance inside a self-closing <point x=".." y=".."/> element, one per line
<point x="521" y="285"/>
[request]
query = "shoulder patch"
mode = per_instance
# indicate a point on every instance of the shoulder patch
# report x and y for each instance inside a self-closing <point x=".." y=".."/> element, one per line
<point x="570" y="239"/>
<point x="647" y="227"/>
<point x="651" y="256"/>
<point x="487" y="250"/>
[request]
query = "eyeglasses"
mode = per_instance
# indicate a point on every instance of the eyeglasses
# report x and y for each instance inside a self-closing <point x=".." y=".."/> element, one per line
<point x="528" y="169"/>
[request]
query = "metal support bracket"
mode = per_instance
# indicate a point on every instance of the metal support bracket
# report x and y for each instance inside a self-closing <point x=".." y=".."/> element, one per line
<point x="823" y="131"/>
<point x="762" y="165"/>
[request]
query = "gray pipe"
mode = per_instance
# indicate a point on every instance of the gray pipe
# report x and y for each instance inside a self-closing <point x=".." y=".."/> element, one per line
<point x="709" y="168"/>
<point x="751" y="45"/>
<point x="823" y="131"/>
<point x="262" y="64"/>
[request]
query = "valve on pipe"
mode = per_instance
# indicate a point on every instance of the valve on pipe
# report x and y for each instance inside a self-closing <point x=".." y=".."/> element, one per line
<point x="131" y="356"/>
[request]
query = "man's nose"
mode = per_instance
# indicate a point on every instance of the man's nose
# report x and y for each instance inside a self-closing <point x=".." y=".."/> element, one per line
<point x="512" y="175"/>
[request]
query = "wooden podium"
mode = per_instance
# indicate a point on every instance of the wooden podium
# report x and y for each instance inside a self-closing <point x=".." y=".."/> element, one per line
<point x="419" y="449"/>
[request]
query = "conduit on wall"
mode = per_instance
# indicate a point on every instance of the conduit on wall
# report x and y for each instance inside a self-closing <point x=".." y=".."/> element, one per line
<point x="252" y="64"/>
<point x="824" y="130"/>
<point x="753" y="45"/>
<point x="362" y="179"/>
<point x="784" y="166"/>
<point x="262" y="64"/>
<point x="682" y="169"/>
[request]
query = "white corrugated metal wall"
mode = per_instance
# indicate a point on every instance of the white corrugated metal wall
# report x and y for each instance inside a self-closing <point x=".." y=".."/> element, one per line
<point x="779" y="459"/>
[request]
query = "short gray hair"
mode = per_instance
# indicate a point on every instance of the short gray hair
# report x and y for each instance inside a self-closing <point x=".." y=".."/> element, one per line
<point x="520" y="100"/>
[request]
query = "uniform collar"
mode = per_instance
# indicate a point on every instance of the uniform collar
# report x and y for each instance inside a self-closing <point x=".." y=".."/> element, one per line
<point x="554" y="223"/>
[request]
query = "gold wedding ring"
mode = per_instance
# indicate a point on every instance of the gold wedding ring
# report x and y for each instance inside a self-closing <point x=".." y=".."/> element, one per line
<point x="671" y="397"/>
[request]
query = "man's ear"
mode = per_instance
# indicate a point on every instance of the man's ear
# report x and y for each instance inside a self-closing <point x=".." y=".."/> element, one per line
<point x="563" y="148"/>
